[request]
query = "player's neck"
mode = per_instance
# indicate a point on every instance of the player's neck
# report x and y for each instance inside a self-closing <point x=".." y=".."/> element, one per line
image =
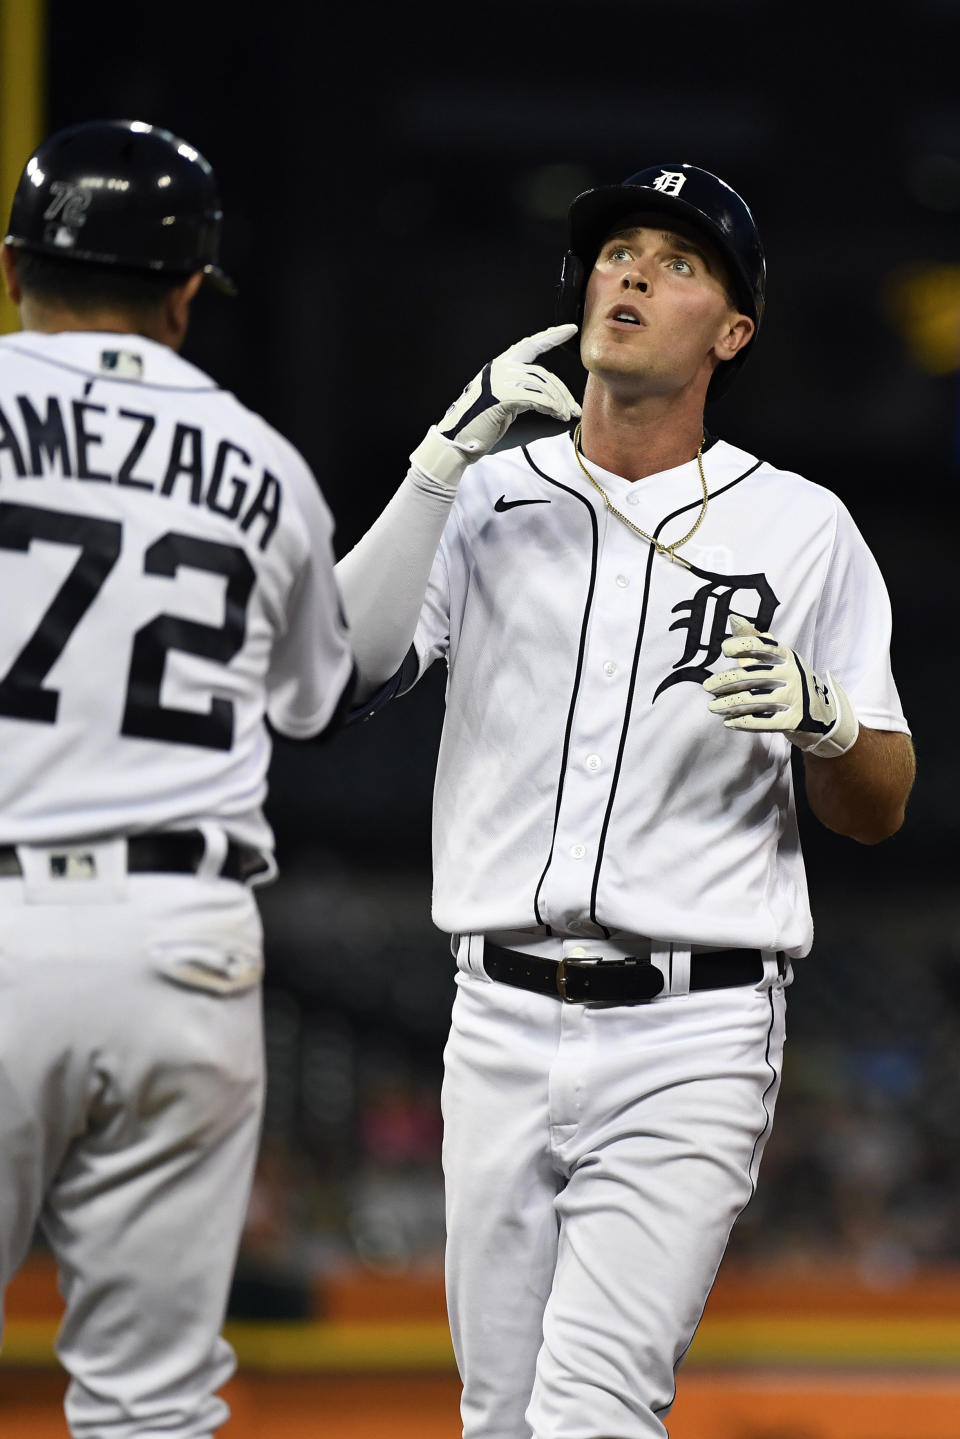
<point x="641" y="437"/>
<point x="53" y="319"/>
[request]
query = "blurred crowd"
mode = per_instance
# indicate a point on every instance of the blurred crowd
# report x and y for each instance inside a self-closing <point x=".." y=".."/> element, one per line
<point x="863" y="1169"/>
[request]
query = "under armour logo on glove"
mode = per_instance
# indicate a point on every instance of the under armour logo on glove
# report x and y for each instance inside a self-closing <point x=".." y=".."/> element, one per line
<point x="483" y="413"/>
<point x="774" y="689"/>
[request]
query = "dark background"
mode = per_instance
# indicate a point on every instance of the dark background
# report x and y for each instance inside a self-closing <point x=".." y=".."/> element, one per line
<point x="395" y="182"/>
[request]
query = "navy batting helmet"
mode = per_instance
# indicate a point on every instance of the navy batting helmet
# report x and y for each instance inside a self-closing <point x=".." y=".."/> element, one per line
<point x="120" y="192"/>
<point x="685" y="192"/>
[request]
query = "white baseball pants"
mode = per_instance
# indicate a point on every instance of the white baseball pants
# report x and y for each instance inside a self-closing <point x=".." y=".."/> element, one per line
<point x="595" y="1160"/>
<point x="131" y="1087"/>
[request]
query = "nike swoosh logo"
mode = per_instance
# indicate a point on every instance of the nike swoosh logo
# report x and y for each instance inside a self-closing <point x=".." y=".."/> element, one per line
<point x="503" y="505"/>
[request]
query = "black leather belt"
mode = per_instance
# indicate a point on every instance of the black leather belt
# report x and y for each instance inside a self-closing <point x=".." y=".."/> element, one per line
<point x="175" y="852"/>
<point x="619" y="981"/>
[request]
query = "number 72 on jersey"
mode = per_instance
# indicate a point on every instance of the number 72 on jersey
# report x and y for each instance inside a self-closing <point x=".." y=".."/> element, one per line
<point x="23" y="694"/>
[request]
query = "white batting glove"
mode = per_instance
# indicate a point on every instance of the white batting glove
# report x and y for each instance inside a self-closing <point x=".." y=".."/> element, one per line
<point x="484" y="412"/>
<point x="774" y="689"/>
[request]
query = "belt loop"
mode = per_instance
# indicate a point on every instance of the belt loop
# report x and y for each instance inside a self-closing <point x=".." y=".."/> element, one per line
<point x="777" y="970"/>
<point x="470" y="955"/>
<point x="676" y="966"/>
<point x="214" y="850"/>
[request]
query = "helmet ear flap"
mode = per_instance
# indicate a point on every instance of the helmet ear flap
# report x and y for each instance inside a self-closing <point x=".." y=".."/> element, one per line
<point x="570" y="291"/>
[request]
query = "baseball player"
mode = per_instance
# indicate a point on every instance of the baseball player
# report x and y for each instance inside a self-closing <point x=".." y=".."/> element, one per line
<point x="166" y="588"/>
<point x="616" y="851"/>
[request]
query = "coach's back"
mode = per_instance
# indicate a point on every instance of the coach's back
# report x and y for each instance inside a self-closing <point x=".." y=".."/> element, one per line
<point x="157" y="594"/>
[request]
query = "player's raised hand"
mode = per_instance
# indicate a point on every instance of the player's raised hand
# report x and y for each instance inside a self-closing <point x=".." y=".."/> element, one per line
<point x="774" y="689"/>
<point x="482" y="414"/>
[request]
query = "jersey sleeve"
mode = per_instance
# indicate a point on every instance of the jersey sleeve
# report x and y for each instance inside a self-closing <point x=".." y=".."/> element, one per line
<point x="312" y="665"/>
<point x="854" y="627"/>
<point x="431" y="639"/>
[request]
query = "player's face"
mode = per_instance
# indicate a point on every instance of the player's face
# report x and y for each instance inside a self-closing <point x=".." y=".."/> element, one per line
<point x="658" y="314"/>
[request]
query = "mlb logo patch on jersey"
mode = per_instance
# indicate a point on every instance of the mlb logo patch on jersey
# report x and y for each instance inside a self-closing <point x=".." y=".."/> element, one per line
<point x="73" y="864"/>
<point x="125" y="364"/>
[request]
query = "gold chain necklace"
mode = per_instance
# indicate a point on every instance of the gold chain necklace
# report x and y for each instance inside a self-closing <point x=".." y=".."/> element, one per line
<point x="669" y="550"/>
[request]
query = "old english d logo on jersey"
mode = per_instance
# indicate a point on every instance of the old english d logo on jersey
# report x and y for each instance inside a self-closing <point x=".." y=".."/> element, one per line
<point x="706" y="616"/>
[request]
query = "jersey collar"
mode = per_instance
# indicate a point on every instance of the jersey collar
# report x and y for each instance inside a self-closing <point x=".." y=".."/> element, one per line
<point x="106" y="355"/>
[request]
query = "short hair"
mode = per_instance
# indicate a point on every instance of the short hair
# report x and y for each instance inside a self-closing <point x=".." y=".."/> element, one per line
<point x="85" y="286"/>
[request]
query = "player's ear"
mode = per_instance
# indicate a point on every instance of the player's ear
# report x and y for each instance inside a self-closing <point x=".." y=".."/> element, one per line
<point x="11" y="273"/>
<point x="738" y="331"/>
<point x="177" y="309"/>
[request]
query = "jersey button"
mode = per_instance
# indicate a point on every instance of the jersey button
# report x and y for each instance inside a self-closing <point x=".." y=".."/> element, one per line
<point x="577" y="851"/>
<point x="594" y="761"/>
<point x="609" y="668"/>
<point x="633" y="498"/>
<point x="622" y="581"/>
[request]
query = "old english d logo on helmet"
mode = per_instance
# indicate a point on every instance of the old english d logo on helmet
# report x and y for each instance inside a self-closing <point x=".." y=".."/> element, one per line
<point x="670" y="182"/>
<point x="706" y="202"/>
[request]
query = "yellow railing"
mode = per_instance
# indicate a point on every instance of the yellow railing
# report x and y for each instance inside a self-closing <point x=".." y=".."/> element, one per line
<point x="22" y="101"/>
<point x="758" y="1342"/>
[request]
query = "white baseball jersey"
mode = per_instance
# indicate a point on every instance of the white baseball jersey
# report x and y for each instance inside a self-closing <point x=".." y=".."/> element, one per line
<point x="583" y="786"/>
<point x="166" y="577"/>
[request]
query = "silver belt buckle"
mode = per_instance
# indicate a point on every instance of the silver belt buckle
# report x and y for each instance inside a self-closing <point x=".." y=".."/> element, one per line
<point x="562" y="975"/>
